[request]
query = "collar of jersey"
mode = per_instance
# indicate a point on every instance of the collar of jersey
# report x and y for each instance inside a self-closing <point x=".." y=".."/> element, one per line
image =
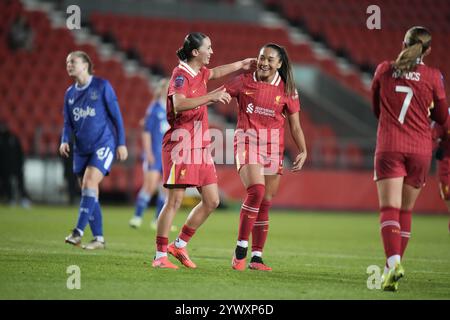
<point x="183" y="65"/>
<point x="275" y="81"/>
<point x="85" y="86"/>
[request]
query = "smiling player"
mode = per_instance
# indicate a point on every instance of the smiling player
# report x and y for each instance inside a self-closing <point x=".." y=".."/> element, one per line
<point x="266" y="98"/>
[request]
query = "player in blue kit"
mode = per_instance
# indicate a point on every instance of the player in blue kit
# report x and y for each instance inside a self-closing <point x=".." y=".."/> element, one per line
<point x="92" y="116"/>
<point x="155" y="125"/>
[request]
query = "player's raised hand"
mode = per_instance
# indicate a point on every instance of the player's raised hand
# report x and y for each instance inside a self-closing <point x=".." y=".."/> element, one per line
<point x="249" y="64"/>
<point x="299" y="161"/>
<point x="122" y="153"/>
<point x="64" y="149"/>
<point x="220" y="95"/>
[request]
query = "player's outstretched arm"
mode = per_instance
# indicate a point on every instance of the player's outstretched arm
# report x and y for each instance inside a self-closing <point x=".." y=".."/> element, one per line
<point x="248" y="64"/>
<point x="181" y="103"/>
<point x="299" y="139"/>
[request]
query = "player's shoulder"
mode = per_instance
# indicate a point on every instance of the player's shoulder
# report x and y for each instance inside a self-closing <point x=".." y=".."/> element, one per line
<point x="184" y="70"/>
<point x="100" y="82"/>
<point x="383" y="67"/>
<point x="70" y="88"/>
<point x="433" y="71"/>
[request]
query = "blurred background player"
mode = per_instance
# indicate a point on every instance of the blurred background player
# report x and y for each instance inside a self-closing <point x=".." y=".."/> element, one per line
<point x="266" y="98"/>
<point x="187" y="115"/>
<point x="155" y="125"/>
<point x="404" y="93"/>
<point x="92" y="115"/>
<point x="11" y="168"/>
<point x="441" y="135"/>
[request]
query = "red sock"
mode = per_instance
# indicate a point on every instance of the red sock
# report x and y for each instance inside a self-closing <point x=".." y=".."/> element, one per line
<point x="161" y="244"/>
<point x="261" y="227"/>
<point x="390" y="231"/>
<point x="186" y="233"/>
<point x="405" y="228"/>
<point x="250" y="209"/>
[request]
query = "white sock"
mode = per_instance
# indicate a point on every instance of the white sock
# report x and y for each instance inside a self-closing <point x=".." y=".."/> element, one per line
<point x="180" y="243"/>
<point x="160" y="254"/>
<point x="242" y="243"/>
<point x="80" y="231"/>
<point x="393" y="260"/>
<point x="100" y="238"/>
<point x="386" y="270"/>
<point x="256" y="254"/>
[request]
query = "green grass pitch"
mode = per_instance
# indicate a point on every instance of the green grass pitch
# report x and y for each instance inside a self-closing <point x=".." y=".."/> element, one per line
<point x="315" y="255"/>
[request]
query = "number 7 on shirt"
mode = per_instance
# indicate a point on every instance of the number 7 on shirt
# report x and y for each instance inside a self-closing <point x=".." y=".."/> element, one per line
<point x="406" y="102"/>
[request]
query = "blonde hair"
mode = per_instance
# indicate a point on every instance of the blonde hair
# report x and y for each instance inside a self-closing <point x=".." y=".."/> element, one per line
<point x="85" y="57"/>
<point x="416" y="43"/>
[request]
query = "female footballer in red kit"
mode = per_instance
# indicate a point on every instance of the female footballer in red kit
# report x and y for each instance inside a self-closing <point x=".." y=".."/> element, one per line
<point x="266" y="98"/>
<point x="441" y="134"/>
<point x="187" y="115"/>
<point x="405" y="94"/>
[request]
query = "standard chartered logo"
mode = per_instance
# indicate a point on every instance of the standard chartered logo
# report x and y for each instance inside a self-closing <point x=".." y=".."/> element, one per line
<point x="83" y="113"/>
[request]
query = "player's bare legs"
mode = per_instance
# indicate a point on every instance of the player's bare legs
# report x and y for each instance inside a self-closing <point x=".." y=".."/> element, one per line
<point x="251" y="174"/>
<point x="390" y="192"/>
<point x="174" y="198"/>
<point x="92" y="178"/>
<point x="197" y="216"/>
<point x="272" y="184"/>
<point x="151" y="181"/>
<point x="210" y="201"/>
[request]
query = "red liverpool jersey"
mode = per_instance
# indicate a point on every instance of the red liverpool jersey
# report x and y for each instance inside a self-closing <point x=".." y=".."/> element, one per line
<point x="262" y="108"/>
<point x="191" y="84"/>
<point x="403" y="104"/>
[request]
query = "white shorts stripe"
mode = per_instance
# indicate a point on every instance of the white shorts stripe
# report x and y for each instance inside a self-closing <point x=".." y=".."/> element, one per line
<point x="109" y="160"/>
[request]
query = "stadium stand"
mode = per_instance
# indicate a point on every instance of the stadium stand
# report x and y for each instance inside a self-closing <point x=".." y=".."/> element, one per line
<point x="347" y="32"/>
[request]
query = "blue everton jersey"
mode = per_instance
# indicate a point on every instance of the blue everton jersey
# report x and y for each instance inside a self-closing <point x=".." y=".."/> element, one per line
<point x="92" y="115"/>
<point x="156" y="124"/>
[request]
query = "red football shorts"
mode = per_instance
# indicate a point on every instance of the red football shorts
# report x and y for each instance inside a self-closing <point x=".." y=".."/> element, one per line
<point x="444" y="178"/>
<point x="414" y="167"/>
<point x="194" y="170"/>
<point x="244" y="154"/>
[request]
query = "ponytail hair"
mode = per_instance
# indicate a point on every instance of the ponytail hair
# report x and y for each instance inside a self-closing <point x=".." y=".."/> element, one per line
<point x="285" y="70"/>
<point x="416" y="43"/>
<point x="86" y="59"/>
<point x="192" y="41"/>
